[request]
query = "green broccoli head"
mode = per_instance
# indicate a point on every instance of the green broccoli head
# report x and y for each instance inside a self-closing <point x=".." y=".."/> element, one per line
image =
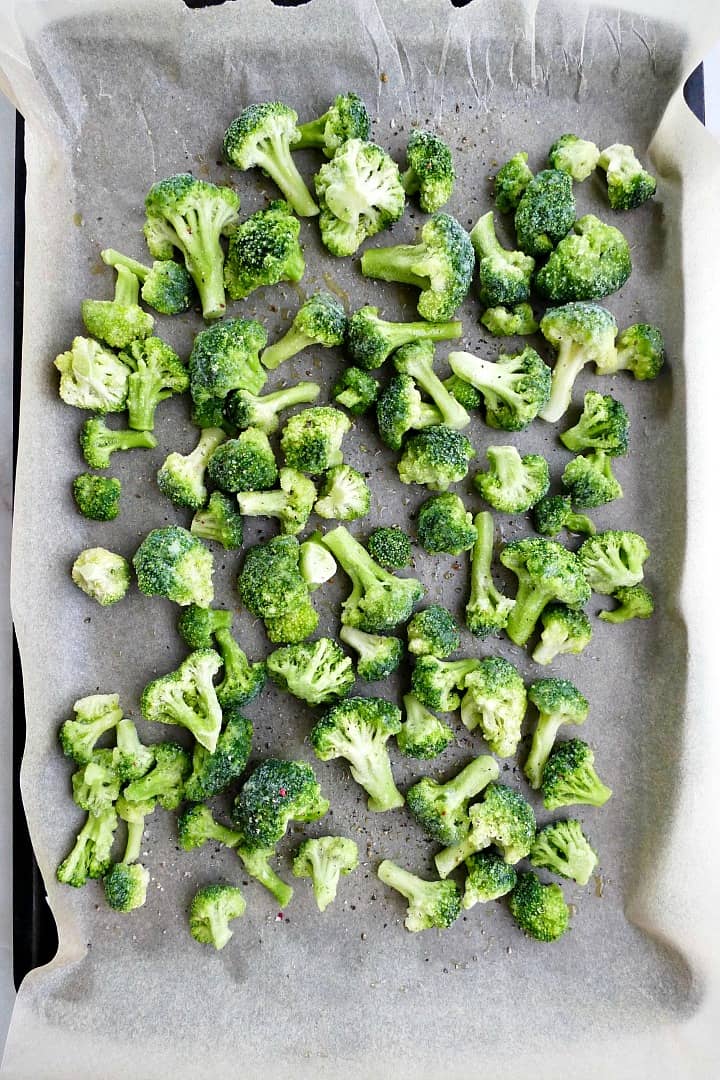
<point x="545" y="213"/>
<point x="270" y="583"/>
<point x="157" y="374"/>
<point x="634" y="602"/>
<point x="219" y="521"/>
<point x="90" y="856"/>
<point x="166" y="285"/>
<point x="312" y="439"/>
<point x="437" y="457"/>
<point x="96" y="785"/>
<point x="324" y="860"/>
<point x="92" y="377"/>
<point x="442" y="809"/>
<point x="512" y="484"/>
<point x="464" y="392"/>
<point x="275" y="793"/>
<point x="97" y="497"/>
<point x="400" y="409"/>
<point x="213" y="773"/>
<point x="345" y="495"/>
<point x="503" y="276"/>
<point x="515" y="321"/>
<point x="563" y="848"/>
<point x="165" y="781"/>
<point x="360" y="193"/>
<point x="628" y="184"/>
<point x="422" y="735"/>
<point x="131" y="759"/>
<point x="226" y="357"/>
<point x="370" y="339"/>
<point x="431" y="904"/>
<point x="246" y="463"/>
<point x="603" y="425"/>
<point x="197" y="826"/>
<point x="640" y="350"/>
<point x="546" y="571"/>
<point x="565" y="630"/>
<point x="320" y="320"/>
<point x="181" y="477"/>
<point x="316" y="671"/>
<point x="94" y="715"/>
<point x="211" y="909"/>
<point x="436" y="682"/>
<point x="539" y="910"/>
<point x="390" y="547"/>
<point x="246" y="410"/>
<point x="102" y="575"/>
<point x="187" y="697"/>
<point x="558" y="702"/>
<point x="613" y="559"/>
<point x="264" y="250"/>
<point x="590" y="481"/>
<point x="495" y="701"/>
<point x="575" y="156"/>
<point x="378" y="655"/>
<point x="487" y="610"/>
<point x="293" y="626"/>
<point x="488" y="878"/>
<point x="503" y="819"/>
<point x="292" y="504"/>
<point x="444" y="526"/>
<point x="98" y="442"/>
<point x="126" y="886"/>
<point x="416" y="360"/>
<point x="172" y="563"/>
<point x="554" y="513"/>
<point x="347" y="118"/>
<point x="569" y="777"/>
<point x="430" y="173"/>
<point x="515" y="388"/>
<point x="197" y="625"/>
<point x="120" y="321"/>
<point x="356" y="391"/>
<point x="591" y="261"/>
<point x="511" y="180"/>
<point x="242" y="680"/>
<point x="433" y="632"/>
<point x="580" y="333"/>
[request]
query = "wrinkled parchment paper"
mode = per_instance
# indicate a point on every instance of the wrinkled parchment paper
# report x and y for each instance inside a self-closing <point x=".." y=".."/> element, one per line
<point x="117" y="95"/>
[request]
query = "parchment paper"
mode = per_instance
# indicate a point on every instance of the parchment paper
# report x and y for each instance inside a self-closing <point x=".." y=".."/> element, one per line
<point x="119" y="94"/>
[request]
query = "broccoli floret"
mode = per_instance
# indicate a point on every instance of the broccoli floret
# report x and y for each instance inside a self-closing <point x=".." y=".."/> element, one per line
<point x="98" y="442"/>
<point x="575" y="156"/>
<point x="246" y="463"/>
<point x="191" y="215"/>
<point x="94" y="715"/>
<point x="613" y="559"/>
<point x="437" y="457"/>
<point x="172" y="563"/>
<point x="324" y="860"/>
<point x="503" y="276"/>
<point x="196" y="826"/>
<point x="293" y="626"/>
<point x="416" y="360"/>
<point x="197" y="625"/>
<point x="211" y="909"/>
<point x="126" y="886"/>
<point x="545" y="213"/>
<point x="263" y="136"/>
<point x="210" y="413"/>
<point x="356" y="391"/>
<point x="495" y="701"/>
<point x="166" y="285"/>
<point x="466" y="394"/>
<point x="246" y="410"/>
<point x="503" y="819"/>
<point x="488" y="878"/>
<point x="101" y="574"/>
<point x="90" y="857"/>
<point x="92" y="377"/>
<point x="270" y="583"/>
<point x="157" y="374"/>
<point x="379" y="600"/>
<point x="554" y="513"/>
<point x="264" y="250"/>
<point x="312" y="439"/>
<point x="539" y="910"/>
<point x="569" y="777"/>
<point x="563" y="848"/>
<point x="213" y="773"/>
<point x="603" y="425"/>
<point x="640" y="350"/>
<point x="440" y="265"/>
<point x="321" y="320"/>
<point x="515" y="388"/>
<point x="580" y="333"/>
<point x="96" y="785"/>
<point x="628" y="184"/>
<point x="545" y="571"/>
<point x="589" y="480"/>
<point x="591" y="261"/>
<point x="242" y="680"/>
<point x="433" y="632"/>
<point x="516" y="321"/>
<point x="430" y="173"/>
<point x="431" y="904"/>
<point x="512" y="484"/>
<point x="487" y="610"/>
<point x="181" y="477"/>
<point x="131" y="758"/>
<point x="347" y="118"/>
<point x="422" y="735"/>
<point x="316" y="563"/>
<point x="134" y="815"/>
<point x="370" y="339"/>
<point x="358" y="729"/>
<point x="442" y="809"/>
<point x="510" y="182"/>
<point x="634" y="602"/>
<point x="225" y="357"/>
<point x="378" y="656"/>
<point x="558" y="702"/>
<point x="390" y="547"/>
<point x="565" y="630"/>
<point x="436" y="682"/>
<point x="187" y="697"/>
<point x="219" y="521"/>
<point x="315" y="671"/>
<point x="360" y="193"/>
<point x="400" y="409"/>
<point x="120" y="321"/>
<point x="292" y="504"/>
<point x="344" y="496"/>
<point x="444" y="526"/>
<point x="97" y="497"/>
<point x="165" y="781"/>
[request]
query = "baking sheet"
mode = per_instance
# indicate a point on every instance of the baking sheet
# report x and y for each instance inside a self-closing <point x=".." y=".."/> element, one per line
<point x="118" y="95"/>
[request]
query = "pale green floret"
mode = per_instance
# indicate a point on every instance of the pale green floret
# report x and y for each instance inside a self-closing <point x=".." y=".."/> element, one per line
<point x="213" y="773"/>
<point x="400" y="409"/>
<point x="324" y="860"/>
<point x="516" y="321"/>
<point x="569" y="777"/>
<point x="589" y="480"/>
<point x="246" y="463"/>
<point x="422" y="735"/>
<point x="495" y="702"/>
<point x="441" y="265"/>
<point x="347" y="118"/>
<point x="119" y="321"/>
<point x="190" y="216"/>
<point x="126" y="886"/>
<point x="563" y="848"/>
<point x="98" y="442"/>
<point x="245" y="410"/>
<point x="554" y="513"/>
<point x="315" y="671"/>
<point x="580" y="334"/>
<point x="264" y="250"/>
<point x="211" y="909"/>
<point x="92" y="377"/>
<point x="210" y="413"/>
<point x="504" y="819"/>
<point x="565" y="630"/>
<point x="613" y="559"/>
<point x="226" y="357"/>
<point x="546" y="571"/>
<point x="437" y="457"/>
<point x="166" y="285"/>
<point x="197" y="826"/>
<point x="378" y="656"/>
<point x="431" y="904"/>
<point x="292" y="504"/>
<point x="197" y="625"/>
<point x="94" y="715"/>
<point x="130" y="757"/>
<point x="242" y="680"/>
<point x="433" y="632"/>
<point x="312" y="439"/>
<point x="430" y="173"/>
<point x="172" y="563"/>
<point x="356" y="391"/>
<point x="436" y="682"/>
<point x="97" y="497"/>
<point x="487" y="610"/>
<point x="628" y="184"/>
<point x="416" y="360"/>
<point x="270" y="583"/>
<point x="603" y="425"/>
<point x="187" y="697"/>
<point x="370" y="339"/>
<point x="360" y="193"/>
<point x="96" y="785"/>
<point x="442" y="809"/>
<point x="515" y="388"/>
<point x="540" y="910"/>
<point x="163" y="783"/>
<point x="317" y="565"/>
<point x="358" y="729"/>
<point x="181" y="477"/>
<point x="634" y="602"/>
<point x="444" y="526"/>
<point x="488" y="878"/>
<point x="344" y="496"/>
<point x="262" y="137"/>
<point x="591" y="261"/>
<point x="101" y="574"/>
<point x="545" y="213"/>
<point x="90" y="857"/>
<point x="157" y="374"/>
<point x="503" y="276"/>
<point x="512" y="484"/>
<point x="511" y="181"/>
<point x="390" y="547"/>
<point x="295" y="625"/>
<point x="558" y="702"/>
<point x="575" y="156"/>
<point x="321" y="320"/>
<point x="467" y="395"/>
<point x="640" y="350"/>
<point x="219" y="521"/>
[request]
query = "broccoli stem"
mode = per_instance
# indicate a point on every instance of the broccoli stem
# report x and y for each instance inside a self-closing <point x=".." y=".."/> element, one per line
<point x="396" y="263"/>
<point x="257" y="865"/>
<point x="220" y="932"/>
<point x="529" y="603"/>
<point x="405" y="333"/>
<point x="289" y="345"/>
<point x="312" y="134"/>
<point x="127" y="287"/>
<point x="470" y="781"/>
<point x="570" y="362"/>
<point x="579" y="523"/>
<point x="357" y="563"/>
<point x="115" y="258"/>
<point x="262" y="503"/>
<point x="135" y="832"/>
<point x="485" y="376"/>
<point x="145" y="392"/>
<point x="451" y="857"/>
<point x="542" y="744"/>
<point x="280" y="167"/>
<point x="484" y="239"/>
<point x="204" y="259"/>
<point x="408" y="885"/>
<point x="551" y="642"/>
<point x="410" y="181"/>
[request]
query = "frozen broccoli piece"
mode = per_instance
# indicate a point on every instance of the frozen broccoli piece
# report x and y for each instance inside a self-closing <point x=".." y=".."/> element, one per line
<point x="164" y="782"/>
<point x="344" y="496"/>
<point x="97" y="497"/>
<point x="92" y="377"/>
<point x="370" y="339"/>
<point x="565" y="630"/>
<point x="495" y="701"/>
<point x="589" y="480"/>
<point x="197" y="826"/>
<point x="96" y="785"/>
<point x="512" y="484"/>
<point x="390" y="547"/>
<point x="119" y="321"/>
<point x="321" y="320"/>
<point x="591" y="261"/>
<point x="101" y="574"/>
<point x="628" y="184"/>
<point x="356" y="391"/>
<point x="540" y="910"/>
<point x="558" y="702"/>
<point x="422" y="735"/>
<point x="131" y="758"/>
<point x="580" y="333"/>
<point x="312" y="439"/>
<point x="442" y="809"/>
<point x="315" y="671"/>
<point x="166" y="285"/>
<point x="511" y="181"/>
<point x="436" y="682"/>
<point x="197" y="625"/>
<point x="157" y="374"/>
<point x="213" y="773"/>
<point x="324" y="860"/>
<point x="545" y="213"/>
<point x="401" y="409"/>
<point x="264" y="250"/>
<point x="444" y="526"/>
<point x="503" y="819"/>
<point x="416" y="360"/>
<point x="433" y="632"/>
<point x="172" y="563"/>
<point x="515" y="388"/>
<point x="293" y="626"/>
<point x="378" y="656"/>
<point x="488" y="878"/>
<point x="554" y="513"/>
<point x="181" y="477"/>
<point x="467" y="395"/>
<point x="90" y="856"/>
<point x="569" y="777"/>
<point x="360" y="193"/>
<point x="503" y="276"/>
<point x="226" y="357"/>
<point x="246" y="410"/>
<point x="563" y="848"/>
<point x="98" y="442"/>
<point x="246" y="463"/>
<point x="603" y="425"/>
<point x="431" y="904"/>
<point x="634" y="602"/>
<point x="94" y="715"/>
<point x="187" y="697"/>
<point x="219" y="521"/>
<point x="575" y="156"/>
<point x="292" y="504"/>
<point x="270" y="583"/>
<point x="126" y="886"/>
<point x="516" y="321"/>
<point x="640" y="350"/>
<point x="545" y="571"/>
<point x="316" y="563"/>
<point x="211" y="909"/>
<point x="347" y="118"/>
<point x="242" y="680"/>
<point x="430" y="173"/>
<point x="437" y="456"/>
<point x="613" y="559"/>
<point x="487" y="610"/>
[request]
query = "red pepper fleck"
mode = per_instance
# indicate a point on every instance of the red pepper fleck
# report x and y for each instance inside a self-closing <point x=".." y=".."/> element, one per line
<point x="283" y="792"/>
